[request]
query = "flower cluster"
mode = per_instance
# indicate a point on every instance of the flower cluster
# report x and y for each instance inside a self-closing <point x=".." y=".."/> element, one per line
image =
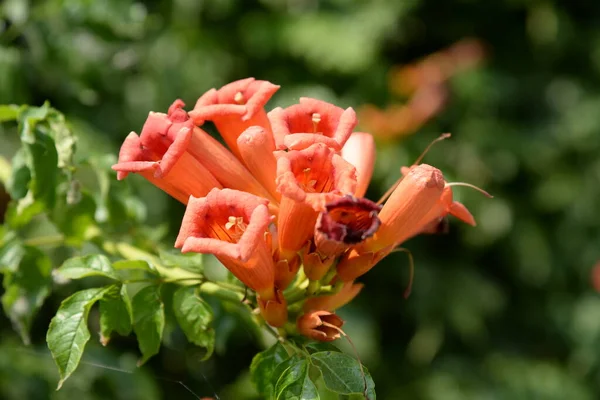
<point x="283" y="207"/>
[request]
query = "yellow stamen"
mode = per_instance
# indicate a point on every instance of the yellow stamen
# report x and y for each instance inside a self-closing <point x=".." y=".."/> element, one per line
<point x="316" y="118"/>
<point x="236" y="226"/>
<point x="309" y="184"/>
<point x="239" y="98"/>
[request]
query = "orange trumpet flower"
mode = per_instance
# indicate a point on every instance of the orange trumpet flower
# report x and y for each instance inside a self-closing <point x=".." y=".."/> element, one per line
<point x="233" y="225"/>
<point x="168" y="166"/>
<point x="307" y="180"/>
<point x="234" y="108"/>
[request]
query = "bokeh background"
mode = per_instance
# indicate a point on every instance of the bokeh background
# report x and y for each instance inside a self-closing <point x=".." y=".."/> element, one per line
<point x="506" y="310"/>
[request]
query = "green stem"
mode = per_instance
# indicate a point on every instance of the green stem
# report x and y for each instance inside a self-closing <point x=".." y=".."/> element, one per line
<point x="49" y="240"/>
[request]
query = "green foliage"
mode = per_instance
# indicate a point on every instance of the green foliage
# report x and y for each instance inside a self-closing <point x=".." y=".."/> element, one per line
<point x="148" y="320"/>
<point x="68" y="332"/>
<point x="115" y="313"/>
<point x="92" y="265"/>
<point x="26" y="285"/>
<point x="277" y="375"/>
<point x="195" y="317"/>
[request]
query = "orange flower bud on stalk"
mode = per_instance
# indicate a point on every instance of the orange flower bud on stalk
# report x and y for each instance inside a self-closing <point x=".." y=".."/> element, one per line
<point x="332" y="302"/>
<point x="312" y="121"/>
<point x="402" y="214"/>
<point x="232" y="225"/>
<point x="234" y="108"/>
<point x="323" y="326"/>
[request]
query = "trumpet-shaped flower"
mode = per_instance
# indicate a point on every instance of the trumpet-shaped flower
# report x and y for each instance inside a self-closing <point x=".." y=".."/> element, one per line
<point x="233" y="225"/>
<point x="307" y="180"/>
<point x="312" y="121"/>
<point x="234" y="108"/>
<point x="169" y="166"/>
<point x="174" y="133"/>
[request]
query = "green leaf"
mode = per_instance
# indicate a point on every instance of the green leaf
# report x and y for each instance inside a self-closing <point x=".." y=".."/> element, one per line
<point x="133" y="264"/>
<point x="264" y="364"/>
<point x="25" y="289"/>
<point x="194" y="316"/>
<point x="115" y="314"/>
<point x="8" y="112"/>
<point x="68" y="332"/>
<point x="11" y="252"/>
<point x="43" y="165"/>
<point x="75" y="218"/>
<point x="18" y="181"/>
<point x="342" y="373"/>
<point x="294" y="383"/>
<point x="29" y="118"/>
<point x="315" y="347"/>
<point x="82" y="267"/>
<point x="175" y="258"/>
<point x="148" y="321"/>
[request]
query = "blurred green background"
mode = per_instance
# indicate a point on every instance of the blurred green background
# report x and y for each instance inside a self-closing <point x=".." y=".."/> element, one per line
<point x="506" y="310"/>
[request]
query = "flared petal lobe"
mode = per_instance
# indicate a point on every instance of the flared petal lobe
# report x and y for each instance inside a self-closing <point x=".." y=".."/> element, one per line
<point x="312" y="121"/>
<point x="234" y="108"/>
<point x="232" y="225"/>
<point x="307" y="180"/>
<point x="360" y="151"/>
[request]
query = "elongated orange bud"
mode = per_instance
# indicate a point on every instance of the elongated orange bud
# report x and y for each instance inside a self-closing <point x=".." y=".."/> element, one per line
<point x="234" y="108"/>
<point x="414" y="197"/>
<point x="360" y="151"/>
<point x="333" y="301"/>
<point x="256" y="148"/>
<point x="312" y="121"/>
<point x="323" y="326"/>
